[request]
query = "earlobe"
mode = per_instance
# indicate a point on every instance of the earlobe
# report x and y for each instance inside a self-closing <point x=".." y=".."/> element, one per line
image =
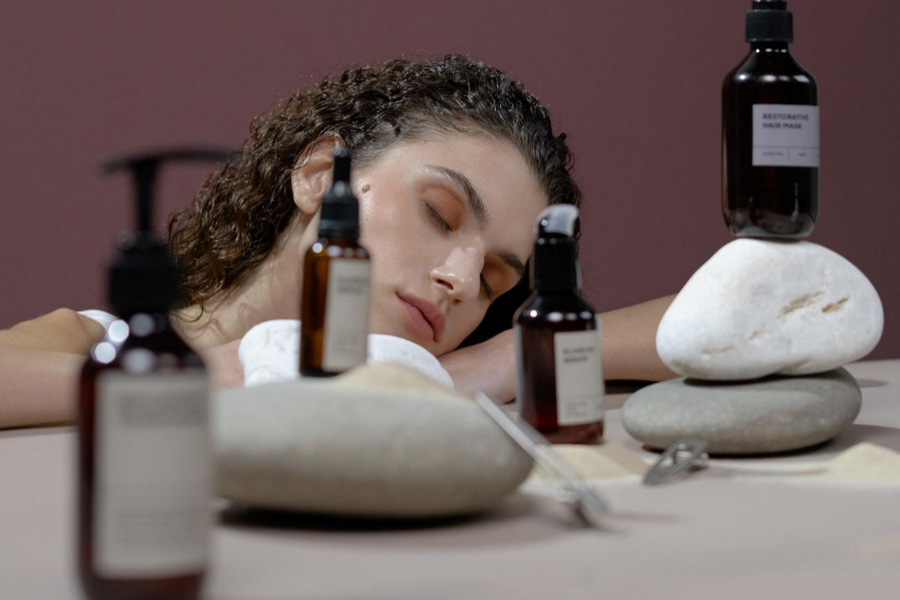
<point x="311" y="177"/>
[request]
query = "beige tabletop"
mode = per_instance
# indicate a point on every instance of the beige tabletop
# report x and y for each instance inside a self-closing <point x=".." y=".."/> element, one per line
<point x="713" y="534"/>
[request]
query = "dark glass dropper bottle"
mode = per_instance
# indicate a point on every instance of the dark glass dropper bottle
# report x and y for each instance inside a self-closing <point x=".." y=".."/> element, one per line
<point x="770" y="133"/>
<point x="334" y="304"/>
<point x="559" y="367"/>
<point x="144" y="464"/>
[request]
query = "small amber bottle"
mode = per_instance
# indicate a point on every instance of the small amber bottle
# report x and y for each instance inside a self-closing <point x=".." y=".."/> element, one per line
<point x="770" y="133"/>
<point x="144" y="444"/>
<point x="559" y="364"/>
<point x="334" y="306"/>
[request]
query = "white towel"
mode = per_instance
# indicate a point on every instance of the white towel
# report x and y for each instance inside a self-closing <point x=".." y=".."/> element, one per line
<point x="270" y="352"/>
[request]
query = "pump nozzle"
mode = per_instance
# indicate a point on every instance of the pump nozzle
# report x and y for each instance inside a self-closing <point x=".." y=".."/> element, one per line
<point x="143" y="277"/>
<point x="144" y="167"/>
<point x="769" y="21"/>
<point x="559" y="219"/>
<point x="555" y="261"/>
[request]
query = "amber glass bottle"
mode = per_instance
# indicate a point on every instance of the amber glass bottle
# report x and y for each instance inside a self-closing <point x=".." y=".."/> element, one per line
<point x="144" y="452"/>
<point x="144" y="465"/>
<point x="334" y="305"/>
<point x="770" y="133"/>
<point x="559" y="367"/>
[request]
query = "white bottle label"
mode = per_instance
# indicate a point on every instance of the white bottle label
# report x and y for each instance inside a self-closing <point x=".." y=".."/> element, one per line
<point x="579" y="376"/>
<point x="346" y="314"/>
<point x="153" y="474"/>
<point x="785" y="135"/>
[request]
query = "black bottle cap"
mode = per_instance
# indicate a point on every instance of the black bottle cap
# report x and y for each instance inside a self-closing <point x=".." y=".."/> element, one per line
<point x="143" y="277"/>
<point x="769" y="21"/>
<point x="554" y="266"/>
<point x="340" y="208"/>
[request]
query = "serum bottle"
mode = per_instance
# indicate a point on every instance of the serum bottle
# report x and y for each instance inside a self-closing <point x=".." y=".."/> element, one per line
<point x="334" y="305"/>
<point x="559" y="364"/>
<point x="144" y="456"/>
<point x="770" y="133"/>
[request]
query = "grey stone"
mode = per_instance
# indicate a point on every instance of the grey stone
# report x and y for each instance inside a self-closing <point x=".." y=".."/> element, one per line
<point x="354" y="446"/>
<point x="775" y="414"/>
<point x="763" y="307"/>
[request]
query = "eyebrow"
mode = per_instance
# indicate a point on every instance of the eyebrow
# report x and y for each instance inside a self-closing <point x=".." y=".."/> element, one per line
<point x="462" y="183"/>
<point x="476" y="207"/>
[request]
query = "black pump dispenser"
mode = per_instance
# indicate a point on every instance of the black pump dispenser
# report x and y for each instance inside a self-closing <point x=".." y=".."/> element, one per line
<point x="340" y="208"/>
<point x="769" y="21"/>
<point x="143" y="277"/>
<point x="555" y="262"/>
<point x="559" y="367"/>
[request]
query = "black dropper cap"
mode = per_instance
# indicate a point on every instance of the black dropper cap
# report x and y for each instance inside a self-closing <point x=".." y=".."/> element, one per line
<point x="554" y="266"/>
<point x="143" y="277"/>
<point x="340" y="208"/>
<point x="769" y="21"/>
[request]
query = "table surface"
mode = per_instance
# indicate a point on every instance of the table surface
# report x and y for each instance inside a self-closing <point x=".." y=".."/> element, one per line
<point x="714" y="534"/>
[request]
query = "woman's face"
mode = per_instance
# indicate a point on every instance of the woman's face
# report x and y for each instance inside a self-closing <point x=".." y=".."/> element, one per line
<point x="448" y="222"/>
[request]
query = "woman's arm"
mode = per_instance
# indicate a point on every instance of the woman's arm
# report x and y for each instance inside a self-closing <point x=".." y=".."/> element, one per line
<point x="629" y="352"/>
<point x="40" y="361"/>
<point x="629" y="342"/>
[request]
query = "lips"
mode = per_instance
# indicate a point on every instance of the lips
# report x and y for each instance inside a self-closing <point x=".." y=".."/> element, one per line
<point x="426" y="317"/>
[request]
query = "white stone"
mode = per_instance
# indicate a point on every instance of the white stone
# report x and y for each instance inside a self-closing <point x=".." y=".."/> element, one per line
<point x="379" y="441"/>
<point x="759" y="307"/>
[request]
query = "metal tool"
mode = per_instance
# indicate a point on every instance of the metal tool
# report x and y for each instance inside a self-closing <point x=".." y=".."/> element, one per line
<point x="590" y="508"/>
<point x="679" y="457"/>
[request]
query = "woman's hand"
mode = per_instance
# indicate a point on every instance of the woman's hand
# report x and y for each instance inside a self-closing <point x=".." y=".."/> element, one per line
<point x="489" y="367"/>
<point x="223" y="366"/>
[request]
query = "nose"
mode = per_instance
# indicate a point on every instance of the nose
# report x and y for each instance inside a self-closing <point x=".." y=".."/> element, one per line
<point x="460" y="273"/>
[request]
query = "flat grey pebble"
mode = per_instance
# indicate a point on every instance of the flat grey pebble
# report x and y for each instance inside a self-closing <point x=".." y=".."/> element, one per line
<point x="769" y="415"/>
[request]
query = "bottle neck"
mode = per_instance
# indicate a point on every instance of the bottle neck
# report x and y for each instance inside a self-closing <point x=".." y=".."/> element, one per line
<point x="142" y="324"/>
<point x="770" y="47"/>
<point x="339" y="237"/>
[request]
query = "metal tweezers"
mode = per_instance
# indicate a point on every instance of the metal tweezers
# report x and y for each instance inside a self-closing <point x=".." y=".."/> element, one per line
<point x="680" y="456"/>
<point x="587" y="505"/>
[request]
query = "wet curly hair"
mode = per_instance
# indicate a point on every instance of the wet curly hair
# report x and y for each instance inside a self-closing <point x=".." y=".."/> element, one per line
<point x="242" y="209"/>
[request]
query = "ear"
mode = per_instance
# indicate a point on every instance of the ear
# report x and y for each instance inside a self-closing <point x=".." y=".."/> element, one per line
<point x="311" y="177"/>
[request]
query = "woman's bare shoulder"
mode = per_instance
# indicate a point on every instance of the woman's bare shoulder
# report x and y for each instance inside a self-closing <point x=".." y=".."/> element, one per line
<point x="63" y="330"/>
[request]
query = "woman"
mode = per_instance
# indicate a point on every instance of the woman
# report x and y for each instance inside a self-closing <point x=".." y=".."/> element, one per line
<point x="452" y="164"/>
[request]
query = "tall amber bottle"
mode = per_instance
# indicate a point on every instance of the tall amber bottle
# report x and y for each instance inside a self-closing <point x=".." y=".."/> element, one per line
<point x="334" y="306"/>
<point x="559" y="368"/>
<point x="144" y="457"/>
<point x="770" y="133"/>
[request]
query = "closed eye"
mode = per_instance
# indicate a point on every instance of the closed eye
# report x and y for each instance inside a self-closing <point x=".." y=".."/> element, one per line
<point x="486" y="289"/>
<point x="437" y="218"/>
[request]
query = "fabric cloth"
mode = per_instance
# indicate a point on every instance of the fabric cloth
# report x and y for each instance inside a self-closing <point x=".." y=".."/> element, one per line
<point x="270" y="351"/>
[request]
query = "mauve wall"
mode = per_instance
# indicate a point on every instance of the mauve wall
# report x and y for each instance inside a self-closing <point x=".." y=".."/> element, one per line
<point x="634" y="83"/>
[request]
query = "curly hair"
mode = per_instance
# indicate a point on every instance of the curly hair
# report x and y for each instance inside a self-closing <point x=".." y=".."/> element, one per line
<point x="242" y="209"/>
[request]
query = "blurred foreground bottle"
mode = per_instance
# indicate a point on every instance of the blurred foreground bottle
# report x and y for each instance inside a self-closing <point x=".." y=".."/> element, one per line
<point x="145" y="468"/>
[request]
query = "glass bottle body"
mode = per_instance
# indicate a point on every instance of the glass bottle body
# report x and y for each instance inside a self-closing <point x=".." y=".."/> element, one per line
<point x="155" y="350"/>
<point x="334" y="307"/>
<point x="765" y="199"/>
<point x="541" y="355"/>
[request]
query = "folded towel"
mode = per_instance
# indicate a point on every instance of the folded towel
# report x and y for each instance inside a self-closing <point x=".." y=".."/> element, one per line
<point x="270" y="352"/>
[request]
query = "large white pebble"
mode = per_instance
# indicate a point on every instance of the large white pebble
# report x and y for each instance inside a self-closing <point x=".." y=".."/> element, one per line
<point x="352" y="446"/>
<point x="759" y="307"/>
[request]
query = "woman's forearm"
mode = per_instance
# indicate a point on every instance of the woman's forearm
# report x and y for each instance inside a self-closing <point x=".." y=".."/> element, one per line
<point x="629" y="352"/>
<point x="40" y="361"/>
<point x="38" y="387"/>
<point x="629" y="342"/>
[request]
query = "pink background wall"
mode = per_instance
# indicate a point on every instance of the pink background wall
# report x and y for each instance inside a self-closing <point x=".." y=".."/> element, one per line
<point x="635" y="84"/>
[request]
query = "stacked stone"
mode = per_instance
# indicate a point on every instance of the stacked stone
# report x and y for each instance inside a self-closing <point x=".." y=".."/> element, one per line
<point x="759" y="334"/>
